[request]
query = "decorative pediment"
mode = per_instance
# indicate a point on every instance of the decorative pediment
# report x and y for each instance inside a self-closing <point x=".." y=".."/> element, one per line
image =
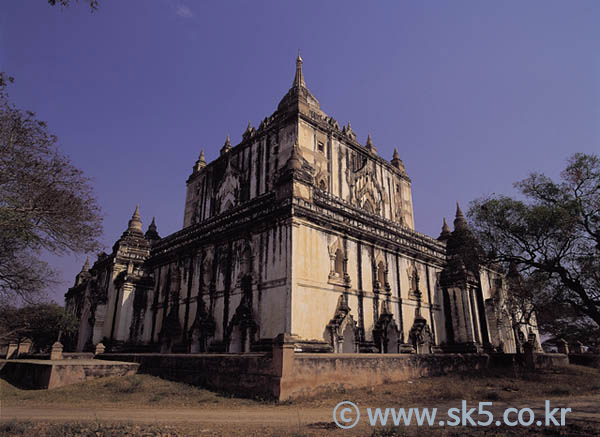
<point x="365" y="192"/>
<point x="386" y="335"/>
<point x="342" y="329"/>
<point x="229" y="189"/>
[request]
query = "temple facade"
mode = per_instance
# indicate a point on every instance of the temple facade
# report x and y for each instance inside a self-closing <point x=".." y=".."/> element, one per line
<point x="297" y="229"/>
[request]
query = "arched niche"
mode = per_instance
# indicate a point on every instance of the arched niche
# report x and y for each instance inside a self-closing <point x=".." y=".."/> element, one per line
<point x="342" y="330"/>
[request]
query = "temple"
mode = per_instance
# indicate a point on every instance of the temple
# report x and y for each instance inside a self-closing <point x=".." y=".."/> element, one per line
<point x="298" y="229"/>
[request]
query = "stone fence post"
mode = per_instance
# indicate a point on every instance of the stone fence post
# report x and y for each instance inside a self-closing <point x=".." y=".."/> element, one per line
<point x="12" y="350"/>
<point x="24" y="347"/>
<point x="99" y="349"/>
<point x="562" y="346"/>
<point x="528" y="349"/>
<point x="56" y="353"/>
<point x="578" y="348"/>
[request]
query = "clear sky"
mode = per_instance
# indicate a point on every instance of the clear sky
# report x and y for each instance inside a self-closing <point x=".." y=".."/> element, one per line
<point x="474" y="94"/>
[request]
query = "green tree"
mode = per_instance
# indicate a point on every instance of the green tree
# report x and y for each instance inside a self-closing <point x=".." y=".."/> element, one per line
<point x="46" y="204"/>
<point x="42" y="323"/>
<point x="552" y="236"/>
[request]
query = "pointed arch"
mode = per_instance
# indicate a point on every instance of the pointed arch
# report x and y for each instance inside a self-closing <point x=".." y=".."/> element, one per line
<point x="342" y="329"/>
<point x="242" y="329"/>
<point x="386" y="333"/>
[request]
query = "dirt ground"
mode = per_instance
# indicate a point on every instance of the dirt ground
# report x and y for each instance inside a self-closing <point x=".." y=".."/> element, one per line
<point x="145" y="405"/>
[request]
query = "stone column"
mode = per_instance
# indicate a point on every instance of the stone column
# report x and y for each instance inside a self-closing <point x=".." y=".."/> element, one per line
<point x="125" y="313"/>
<point x="332" y="265"/>
<point x="98" y="329"/>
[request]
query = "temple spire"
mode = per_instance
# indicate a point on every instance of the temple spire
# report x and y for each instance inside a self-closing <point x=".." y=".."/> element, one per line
<point x="86" y="265"/>
<point x="445" y="234"/>
<point x="459" y="220"/>
<point x="152" y="233"/>
<point x="135" y="223"/>
<point x="445" y="227"/>
<point x="299" y="77"/>
<point x="152" y="226"/>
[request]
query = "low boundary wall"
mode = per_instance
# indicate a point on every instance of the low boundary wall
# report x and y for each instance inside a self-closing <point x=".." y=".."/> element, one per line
<point x="38" y="374"/>
<point x="590" y="360"/>
<point x="284" y="374"/>
<point x="250" y="375"/>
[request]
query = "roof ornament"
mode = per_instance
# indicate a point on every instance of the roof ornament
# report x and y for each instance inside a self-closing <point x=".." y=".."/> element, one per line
<point x="295" y="163"/>
<point x="445" y="234"/>
<point x="370" y="144"/>
<point x="227" y="146"/>
<point x="397" y="162"/>
<point x="201" y="162"/>
<point x="347" y="130"/>
<point x="249" y="132"/>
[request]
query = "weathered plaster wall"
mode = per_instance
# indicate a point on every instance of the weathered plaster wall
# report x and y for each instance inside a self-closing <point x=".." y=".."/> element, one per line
<point x="317" y="287"/>
<point x="217" y="273"/>
<point x="336" y="166"/>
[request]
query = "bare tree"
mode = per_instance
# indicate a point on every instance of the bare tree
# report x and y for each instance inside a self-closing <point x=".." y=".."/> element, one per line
<point x="46" y="203"/>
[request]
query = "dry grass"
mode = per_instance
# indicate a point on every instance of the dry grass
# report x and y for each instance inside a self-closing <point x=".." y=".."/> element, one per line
<point x="150" y="391"/>
<point x="570" y="429"/>
<point x="144" y="391"/>
<point x="485" y="385"/>
<point x="92" y="429"/>
<point x="136" y="390"/>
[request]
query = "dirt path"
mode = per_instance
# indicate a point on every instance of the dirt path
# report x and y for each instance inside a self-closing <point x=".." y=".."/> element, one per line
<point x="584" y="408"/>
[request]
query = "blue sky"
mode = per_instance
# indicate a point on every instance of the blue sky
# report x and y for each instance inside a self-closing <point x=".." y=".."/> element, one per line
<point x="474" y="95"/>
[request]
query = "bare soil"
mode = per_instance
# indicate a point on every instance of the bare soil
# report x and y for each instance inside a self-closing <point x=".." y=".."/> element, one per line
<point x="146" y="405"/>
